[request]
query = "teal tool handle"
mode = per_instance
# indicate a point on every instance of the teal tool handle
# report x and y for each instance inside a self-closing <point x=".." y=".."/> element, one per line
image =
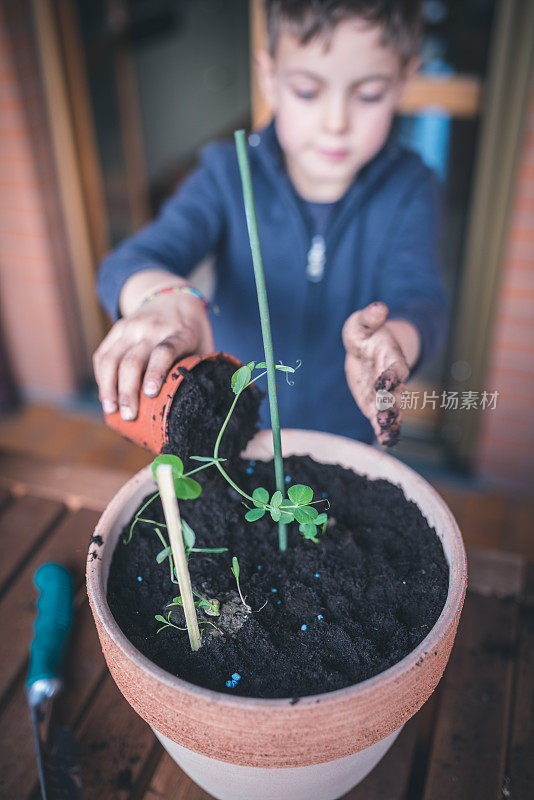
<point x="54" y="617"/>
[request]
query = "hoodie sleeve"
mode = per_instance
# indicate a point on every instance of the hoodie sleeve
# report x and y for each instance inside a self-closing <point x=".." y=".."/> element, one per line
<point x="411" y="282"/>
<point x="187" y="228"/>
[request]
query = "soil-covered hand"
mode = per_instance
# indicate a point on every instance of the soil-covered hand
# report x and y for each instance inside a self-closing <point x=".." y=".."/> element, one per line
<point x="149" y="341"/>
<point x="374" y="361"/>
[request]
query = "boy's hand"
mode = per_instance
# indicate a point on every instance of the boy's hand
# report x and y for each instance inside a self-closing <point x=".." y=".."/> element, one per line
<point x="375" y="361"/>
<point x="149" y="340"/>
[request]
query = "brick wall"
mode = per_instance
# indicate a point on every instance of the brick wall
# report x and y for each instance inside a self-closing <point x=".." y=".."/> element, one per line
<point x="506" y="447"/>
<point x="39" y="320"/>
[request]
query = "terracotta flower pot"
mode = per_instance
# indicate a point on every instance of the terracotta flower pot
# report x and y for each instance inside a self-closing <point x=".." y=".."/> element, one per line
<point x="149" y="428"/>
<point x="237" y="747"/>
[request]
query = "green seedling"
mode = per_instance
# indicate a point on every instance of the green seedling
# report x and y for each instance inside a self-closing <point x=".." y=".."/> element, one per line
<point x="298" y="505"/>
<point x="235" y="573"/>
<point x="210" y="606"/>
<point x="167" y="623"/>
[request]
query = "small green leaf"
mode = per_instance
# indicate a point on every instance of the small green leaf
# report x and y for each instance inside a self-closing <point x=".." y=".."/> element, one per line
<point x="174" y="461"/>
<point x="254" y="514"/>
<point x="187" y="488"/>
<point x="306" y="514"/>
<point x="260" y="496"/>
<point x="301" y="495"/>
<point x="276" y="499"/>
<point x="283" y="368"/>
<point x="159" y="618"/>
<point x="308" y="530"/>
<point x="276" y="513"/>
<point x="206" y="458"/>
<point x="261" y="365"/>
<point x="235" y="567"/>
<point x="177" y="601"/>
<point x="163" y="555"/>
<point x="209" y="549"/>
<point x="188" y="534"/>
<point x="250" y="365"/>
<point x="321" y="519"/>
<point x="241" y="378"/>
<point x="288" y="511"/>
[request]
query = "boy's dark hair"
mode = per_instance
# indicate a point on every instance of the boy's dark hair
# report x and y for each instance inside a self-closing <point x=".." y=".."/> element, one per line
<point x="400" y="20"/>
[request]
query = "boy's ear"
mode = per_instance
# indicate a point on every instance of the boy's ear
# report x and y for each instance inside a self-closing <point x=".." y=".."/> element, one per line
<point x="264" y="64"/>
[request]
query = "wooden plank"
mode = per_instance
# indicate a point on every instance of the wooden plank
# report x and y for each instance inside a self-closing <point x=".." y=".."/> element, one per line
<point x="77" y="486"/>
<point x="69" y="177"/>
<point x="519" y="537"/>
<point x="84" y="670"/>
<point x="469" y="745"/>
<point x="22" y="525"/>
<point x="68" y="545"/>
<point x="171" y="783"/>
<point x="459" y="96"/>
<point x="495" y="574"/>
<point x="5" y="497"/>
<point x="519" y="780"/>
<point x="116" y="746"/>
<point x="390" y="778"/>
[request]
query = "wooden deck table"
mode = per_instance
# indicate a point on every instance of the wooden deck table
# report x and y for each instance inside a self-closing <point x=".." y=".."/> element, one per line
<point x="473" y="740"/>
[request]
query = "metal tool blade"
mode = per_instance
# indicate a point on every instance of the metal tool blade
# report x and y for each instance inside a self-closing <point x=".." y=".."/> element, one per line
<point x="57" y="755"/>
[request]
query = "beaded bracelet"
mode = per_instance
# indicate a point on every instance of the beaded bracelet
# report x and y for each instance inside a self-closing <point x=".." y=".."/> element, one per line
<point x="187" y="289"/>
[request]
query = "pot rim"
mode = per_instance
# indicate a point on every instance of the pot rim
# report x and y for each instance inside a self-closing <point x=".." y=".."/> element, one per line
<point x="449" y="612"/>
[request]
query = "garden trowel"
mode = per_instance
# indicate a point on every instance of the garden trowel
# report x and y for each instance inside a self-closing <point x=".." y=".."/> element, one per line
<point x="57" y="757"/>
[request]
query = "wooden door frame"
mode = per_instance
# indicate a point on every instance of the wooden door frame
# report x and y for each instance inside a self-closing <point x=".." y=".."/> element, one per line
<point x="77" y="218"/>
<point x="506" y="100"/>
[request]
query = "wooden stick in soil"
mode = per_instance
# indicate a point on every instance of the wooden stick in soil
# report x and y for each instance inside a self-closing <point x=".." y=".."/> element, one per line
<point x="252" y="224"/>
<point x="174" y="529"/>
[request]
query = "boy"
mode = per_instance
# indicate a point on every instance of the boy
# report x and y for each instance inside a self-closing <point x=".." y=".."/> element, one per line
<point x="347" y="222"/>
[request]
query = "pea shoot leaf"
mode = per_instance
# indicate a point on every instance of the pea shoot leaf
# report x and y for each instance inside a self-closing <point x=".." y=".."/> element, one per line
<point x="321" y="519"/>
<point x="241" y="378"/>
<point x="187" y="488"/>
<point x="276" y="499"/>
<point x="306" y="514"/>
<point x="254" y="514"/>
<point x="275" y="513"/>
<point x="283" y="368"/>
<point x="301" y="495"/>
<point x="235" y="567"/>
<point x="174" y="461"/>
<point x="188" y="534"/>
<point x="288" y="512"/>
<point x="163" y="554"/>
<point x="309" y="531"/>
<point x="260" y="496"/>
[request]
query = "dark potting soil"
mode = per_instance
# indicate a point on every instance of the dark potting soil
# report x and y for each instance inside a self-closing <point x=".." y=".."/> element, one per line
<point x="205" y="394"/>
<point x="325" y="615"/>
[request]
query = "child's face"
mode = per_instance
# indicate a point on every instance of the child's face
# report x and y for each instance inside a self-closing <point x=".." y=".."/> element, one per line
<point x="334" y="102"/>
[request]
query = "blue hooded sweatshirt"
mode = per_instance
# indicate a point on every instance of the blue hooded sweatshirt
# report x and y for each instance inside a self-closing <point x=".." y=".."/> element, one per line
<point x="380" y="243"/>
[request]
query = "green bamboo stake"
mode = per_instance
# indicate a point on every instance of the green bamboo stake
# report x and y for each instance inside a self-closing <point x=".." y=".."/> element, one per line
<point x="252" y="224"/>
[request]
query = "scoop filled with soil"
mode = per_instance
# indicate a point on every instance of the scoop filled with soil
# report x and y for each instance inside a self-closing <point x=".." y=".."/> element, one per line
<point x="345" y="640"/>
<point x="202" y="383"/>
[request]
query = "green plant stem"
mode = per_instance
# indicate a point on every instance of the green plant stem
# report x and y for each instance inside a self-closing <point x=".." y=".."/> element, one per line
<point x="252" y="224"/>
<point x="216" y="451"/>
